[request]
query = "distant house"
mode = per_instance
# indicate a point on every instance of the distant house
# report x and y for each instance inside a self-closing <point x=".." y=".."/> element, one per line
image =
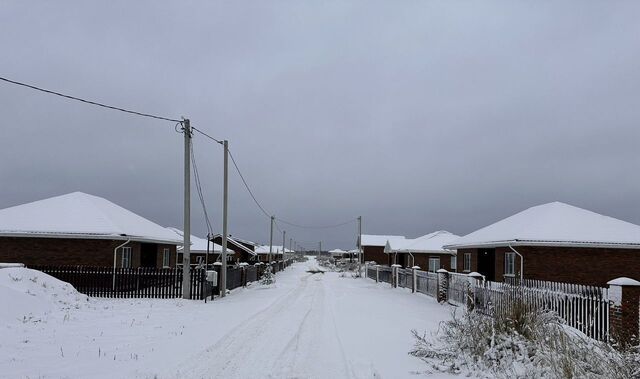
<point x="262" y="252"/>
<point x="200" y="248"/>
<point x="558" y="242"/>
<point x="83" y="230"/>
<point x="244" y="249"/>
<point x="339" y="253"/>
<point x="373" y="247"/>
<point x="426" y="251"/>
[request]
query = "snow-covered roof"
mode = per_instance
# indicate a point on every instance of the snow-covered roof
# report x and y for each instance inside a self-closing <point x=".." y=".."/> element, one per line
<point x="237" y="241"/>
<point x="429" y="243"/>
<point x="275" y="249"/>
<point x="80" y="215"/>
<point x="378" y="240"/>
<point x="554" y="224"/>
<point x="199" y="245"/>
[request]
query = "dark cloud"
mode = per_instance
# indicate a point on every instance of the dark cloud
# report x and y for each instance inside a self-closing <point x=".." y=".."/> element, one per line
<point x="415" y="115"/>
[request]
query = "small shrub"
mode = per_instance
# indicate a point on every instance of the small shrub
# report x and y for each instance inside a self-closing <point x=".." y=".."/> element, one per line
<point x="521" y="342"/>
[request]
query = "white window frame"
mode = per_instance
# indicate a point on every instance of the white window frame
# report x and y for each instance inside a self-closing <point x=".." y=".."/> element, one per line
<point x="434" y="264"/>
<point x="509" y="264"/>
<point x="126" y="257"/>
<point x="454" y="263"/>
<point x="166" y="257"/>
<point x="467" y="262"/>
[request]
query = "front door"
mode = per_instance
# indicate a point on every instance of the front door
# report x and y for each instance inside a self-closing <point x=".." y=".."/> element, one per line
<point x="148" y="255"/>
<point x="487" y="263"/>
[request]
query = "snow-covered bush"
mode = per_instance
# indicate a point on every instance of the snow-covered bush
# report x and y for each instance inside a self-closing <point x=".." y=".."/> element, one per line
<point x="521" y="342"/>
<point x="267" y="276"/>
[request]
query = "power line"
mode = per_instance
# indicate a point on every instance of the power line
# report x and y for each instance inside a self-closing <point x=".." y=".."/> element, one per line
<point x="206" y="135"/>
<point x="196" y="177"/>
<point x="247" y="186"/>
<point x="316" y="226"/>
<point x="88" y="101"/>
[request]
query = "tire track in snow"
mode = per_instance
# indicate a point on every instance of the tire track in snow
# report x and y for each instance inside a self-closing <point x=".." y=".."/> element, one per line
<point x="239" y="347"/>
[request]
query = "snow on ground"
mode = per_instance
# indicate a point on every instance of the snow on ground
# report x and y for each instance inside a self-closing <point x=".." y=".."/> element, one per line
<point x="304" y="326"/>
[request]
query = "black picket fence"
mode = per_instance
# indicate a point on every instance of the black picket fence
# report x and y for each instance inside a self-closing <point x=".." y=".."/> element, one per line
<point x="142" y="282"/>
<point x="151" y="282"/>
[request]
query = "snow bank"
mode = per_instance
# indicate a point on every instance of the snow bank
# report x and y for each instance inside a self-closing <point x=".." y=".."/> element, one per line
<point x="33" y="295"/>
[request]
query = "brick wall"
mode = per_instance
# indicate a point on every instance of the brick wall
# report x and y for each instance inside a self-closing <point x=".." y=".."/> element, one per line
<point x="422" y="260"/>
<point x="375" y="253"/>
<point x="69" y="251"/>
<point x="590" y="266"/>
<point x="624" y="317"/>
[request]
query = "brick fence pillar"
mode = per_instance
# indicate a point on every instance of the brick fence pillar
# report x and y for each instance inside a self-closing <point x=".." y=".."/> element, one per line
<point x="624" y="311"/>
<point x="377" y="273"/>
<point x="443" y="285"/>
<point x="414" y="272"/>
<point x="394" y="275"/>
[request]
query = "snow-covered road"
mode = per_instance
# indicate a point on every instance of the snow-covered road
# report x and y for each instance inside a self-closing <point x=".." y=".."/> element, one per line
<point x="305" y="326"/>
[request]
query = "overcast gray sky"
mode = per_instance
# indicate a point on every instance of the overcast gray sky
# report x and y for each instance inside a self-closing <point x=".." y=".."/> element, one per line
<point x="417" y="115"/>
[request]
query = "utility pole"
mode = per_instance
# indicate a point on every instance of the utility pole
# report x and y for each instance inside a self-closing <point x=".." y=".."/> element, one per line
<point x="291" y="244"/>
<point x="284" y="239"/>
<point x="225" y="202"/>
<point x="320" y="248"/>
<point x="271" y="238"/>
<point x="360" y="255"/>
<point x="186" y="247"/>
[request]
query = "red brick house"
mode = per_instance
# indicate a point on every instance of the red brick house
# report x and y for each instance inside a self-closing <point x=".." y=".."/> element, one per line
<point x="199" y="250"/>
<point x="84" y="230"/>
<point x="244" y="250"/>
<point x="262" y="252"/>
<point x="373" y="247"/>
<point x="554" y="242"/>
<point x="426" y="251"/>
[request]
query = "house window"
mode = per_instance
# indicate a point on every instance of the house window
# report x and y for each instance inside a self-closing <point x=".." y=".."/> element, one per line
<point x="434" y="264"/>
<point x="165" y="258"/>
<point x="454" y="263"/>
<point x="509" y="263"/>
<point x="467" y="262"/>
<point x="126" y="257"/>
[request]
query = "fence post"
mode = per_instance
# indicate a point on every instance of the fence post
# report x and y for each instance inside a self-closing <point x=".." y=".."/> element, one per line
<point x="377" y="273"/>
<point x="414" y="272"/>
<point x="474" y="279"/>
<point x="366" y="271"/>
<point x="443" y="285"/>
<point x="624" y="314"/>
<point x="394" y="275"/>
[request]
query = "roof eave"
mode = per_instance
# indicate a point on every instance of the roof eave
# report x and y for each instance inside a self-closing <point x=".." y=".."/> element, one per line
<point x="117" y="237"/>
<point x="493" y="244"/>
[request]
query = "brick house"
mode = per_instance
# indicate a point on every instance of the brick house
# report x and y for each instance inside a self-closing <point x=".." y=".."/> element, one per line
<point x="373" y="247"/>
<point x="426" y="251"/>
<point x="262" y="252"/>
<point x="199" y="250"/>
<point x="244" y="250"/>
<point x="558" y="242"/>
<point x="84" y="230"/>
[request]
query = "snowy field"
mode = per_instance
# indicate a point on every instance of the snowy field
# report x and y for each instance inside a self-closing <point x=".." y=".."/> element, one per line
<point x="304" y="326"/>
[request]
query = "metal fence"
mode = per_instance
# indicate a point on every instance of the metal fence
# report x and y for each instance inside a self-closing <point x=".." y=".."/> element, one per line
<point x="384" y="274"/>
<point x="585" y="308"/>
<point x="427" y="283"/>
<point x="405" y="278"/>
<point x="141" y="282"/>
<point x="458" y="288"/>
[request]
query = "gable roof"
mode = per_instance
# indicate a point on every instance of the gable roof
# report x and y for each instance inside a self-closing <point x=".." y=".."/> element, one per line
<point x="429" y="243"/>
<point x="554" y="224"/>
<point x="378" y="240"/>
<point x="80" y="215"/>
<point x="275" y="249"/>
<point x="237" y="242"/>
<point x="199" y="245"/>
